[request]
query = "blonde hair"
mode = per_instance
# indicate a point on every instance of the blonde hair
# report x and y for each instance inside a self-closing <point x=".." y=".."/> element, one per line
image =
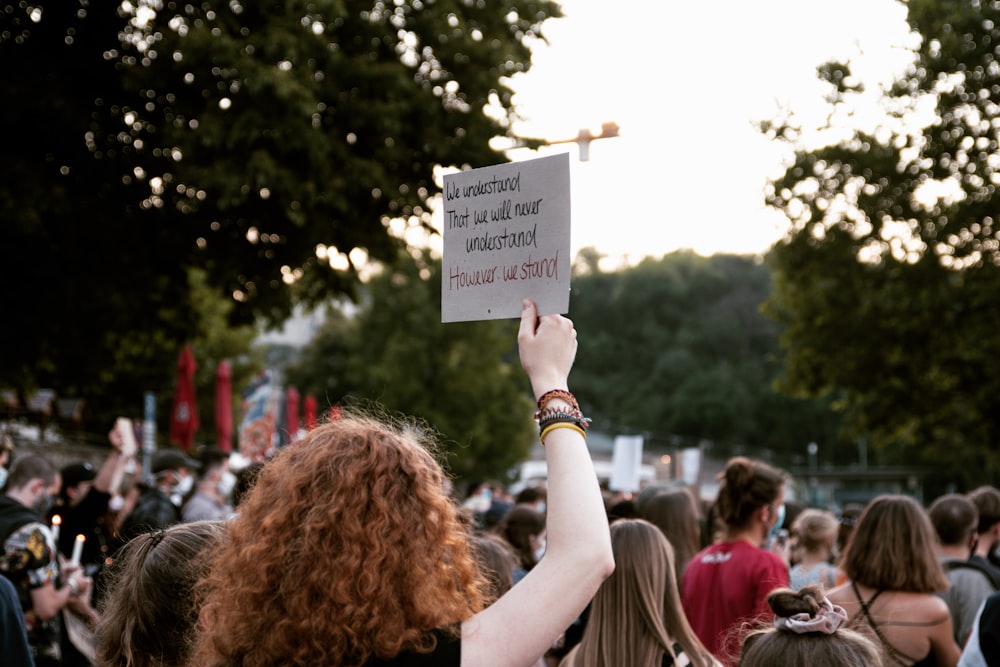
<point x="815" y="529"/>
<point x="636" y="615"/>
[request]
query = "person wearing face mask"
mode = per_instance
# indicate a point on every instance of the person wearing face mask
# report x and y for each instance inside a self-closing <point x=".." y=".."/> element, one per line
<point x="726" y="584"/>
<point x="211" y="497"/>
<point x="159" y="503"/>
<point x="6" y="453"/>
<point x="29" y="559"/>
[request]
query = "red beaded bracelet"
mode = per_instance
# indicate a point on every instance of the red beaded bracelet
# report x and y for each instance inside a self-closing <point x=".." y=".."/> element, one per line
<point x="544" y="399"/>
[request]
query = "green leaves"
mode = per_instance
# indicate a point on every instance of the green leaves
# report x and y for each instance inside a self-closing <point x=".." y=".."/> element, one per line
<point x="884" y="285"/>
<point x="676" y="349"/>
<point x="242" y="139"/>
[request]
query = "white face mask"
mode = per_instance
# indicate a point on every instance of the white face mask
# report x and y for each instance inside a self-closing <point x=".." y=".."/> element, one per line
<point x="3" y="477"/>
<point x="226" y="484"/>
<point x="183" y="486"/>
<point x="116" y="504"/>
<point x="540" y="551"/>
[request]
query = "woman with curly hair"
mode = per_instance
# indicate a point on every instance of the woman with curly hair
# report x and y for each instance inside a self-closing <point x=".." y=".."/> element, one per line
<point x="636" y="617"/>
<point x="151" y="609"/>
<point x="808" y="630"/>
<point x="893" y="575"/>
<point x="349" y="550"/>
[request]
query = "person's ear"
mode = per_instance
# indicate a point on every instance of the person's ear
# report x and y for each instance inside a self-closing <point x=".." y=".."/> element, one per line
<point x="763" y="514"/>
<point x="37" y="486"/>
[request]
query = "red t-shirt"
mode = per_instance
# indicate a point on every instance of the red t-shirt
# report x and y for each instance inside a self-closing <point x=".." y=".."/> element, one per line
<point x="725" y="585"/>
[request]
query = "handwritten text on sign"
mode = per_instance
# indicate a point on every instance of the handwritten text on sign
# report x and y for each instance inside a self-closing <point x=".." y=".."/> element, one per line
<point x="506" y="237"/>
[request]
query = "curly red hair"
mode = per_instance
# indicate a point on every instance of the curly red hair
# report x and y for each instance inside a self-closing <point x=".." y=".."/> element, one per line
<point x="348" y="547"/>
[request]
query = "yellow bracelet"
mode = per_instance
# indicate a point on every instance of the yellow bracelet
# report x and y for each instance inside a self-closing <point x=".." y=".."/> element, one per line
<point x="551" y="427"/>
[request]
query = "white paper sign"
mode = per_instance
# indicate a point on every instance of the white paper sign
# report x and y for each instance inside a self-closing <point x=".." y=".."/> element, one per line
<point x="506" y="238"/>
<point x="690" y="465"/>
<point x="625" y="463"/>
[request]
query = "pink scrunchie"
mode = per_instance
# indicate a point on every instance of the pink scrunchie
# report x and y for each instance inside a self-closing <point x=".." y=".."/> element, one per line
<point x="826" y="620"/>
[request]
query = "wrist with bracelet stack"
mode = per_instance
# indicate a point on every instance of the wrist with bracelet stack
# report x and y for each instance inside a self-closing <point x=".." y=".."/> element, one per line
<point x="551" y="418"/>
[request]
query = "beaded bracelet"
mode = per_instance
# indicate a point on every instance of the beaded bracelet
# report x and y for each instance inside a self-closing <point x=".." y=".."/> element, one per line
<point x="556" y="417"/>
<point x="564" y="394"/>
<point x="551" y="427"/>
<point x="542" y="415"/>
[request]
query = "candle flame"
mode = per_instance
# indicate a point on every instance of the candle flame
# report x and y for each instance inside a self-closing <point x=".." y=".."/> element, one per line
<point x="56" y="520"/>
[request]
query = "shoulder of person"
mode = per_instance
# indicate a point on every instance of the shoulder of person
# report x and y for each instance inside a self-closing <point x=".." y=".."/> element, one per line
<point x="975" y="569"/>
<point x="964" y="574"/>
<point x="29" y="531"/>
<point x="922" y="607"/>
<point x="29" y="543"/>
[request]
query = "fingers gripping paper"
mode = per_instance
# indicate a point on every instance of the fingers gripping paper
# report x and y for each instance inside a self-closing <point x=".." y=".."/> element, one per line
<point x="506" y="237"/>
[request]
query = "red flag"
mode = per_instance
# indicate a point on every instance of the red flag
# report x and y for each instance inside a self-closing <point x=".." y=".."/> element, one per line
<point x="292" y="413"/>
<point x="310" y="409"/>
<point x="184" y="413"/>
<point x="224" y="406"/>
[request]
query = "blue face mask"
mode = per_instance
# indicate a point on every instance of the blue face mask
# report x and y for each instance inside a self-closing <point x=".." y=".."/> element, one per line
<point x="776" y="528"/>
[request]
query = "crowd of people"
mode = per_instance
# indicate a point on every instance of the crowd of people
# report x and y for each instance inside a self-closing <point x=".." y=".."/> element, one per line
<point x="348" y="547"/>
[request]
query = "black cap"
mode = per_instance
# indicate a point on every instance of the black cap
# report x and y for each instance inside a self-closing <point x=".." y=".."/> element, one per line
<point x="74" y="473"/>
<point x="172" y="459"/>
<point x="209" y="455"/>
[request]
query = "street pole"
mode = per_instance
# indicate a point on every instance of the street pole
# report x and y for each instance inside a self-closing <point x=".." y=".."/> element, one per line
<point x="812" y="448"/>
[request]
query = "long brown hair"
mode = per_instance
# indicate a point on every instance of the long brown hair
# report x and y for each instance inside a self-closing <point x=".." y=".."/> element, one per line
<point x="348" y="547"/>
<point x="675" y="513"/>
<point x="636" y="615"/>
<point x="894" y="529"/>
<point x="151" y="610"/>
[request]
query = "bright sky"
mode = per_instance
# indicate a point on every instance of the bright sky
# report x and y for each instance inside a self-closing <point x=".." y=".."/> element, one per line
<point x="685" y="81"/>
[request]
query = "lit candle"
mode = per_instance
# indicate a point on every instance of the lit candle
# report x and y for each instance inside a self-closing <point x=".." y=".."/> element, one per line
<point x="56" y="522"/>
<point x="77" y="550"/>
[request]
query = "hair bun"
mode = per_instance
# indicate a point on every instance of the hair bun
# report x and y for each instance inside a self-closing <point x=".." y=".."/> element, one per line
<point x="786" y="602"/>
<point x="739" y="472"/>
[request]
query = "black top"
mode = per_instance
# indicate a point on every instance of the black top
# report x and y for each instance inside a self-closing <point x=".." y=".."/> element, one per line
<point x="447" y="653"/>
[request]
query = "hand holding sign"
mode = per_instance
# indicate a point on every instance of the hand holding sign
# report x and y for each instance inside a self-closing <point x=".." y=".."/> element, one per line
<point x="506" y="237"/>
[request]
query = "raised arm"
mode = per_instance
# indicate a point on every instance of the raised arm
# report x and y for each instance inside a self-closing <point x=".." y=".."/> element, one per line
<point x="519" y="627"/>
<point x="110" y="471"/>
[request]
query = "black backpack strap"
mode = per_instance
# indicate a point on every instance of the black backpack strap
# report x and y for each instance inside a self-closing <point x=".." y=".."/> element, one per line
<point x="992" y="575"/>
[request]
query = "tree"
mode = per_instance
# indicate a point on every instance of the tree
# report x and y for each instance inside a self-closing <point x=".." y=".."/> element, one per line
<point x="676" y="348"/>
<point x="270" y="144"/>
<point x="887" y="282"/>
<point x="462" y="378"/>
